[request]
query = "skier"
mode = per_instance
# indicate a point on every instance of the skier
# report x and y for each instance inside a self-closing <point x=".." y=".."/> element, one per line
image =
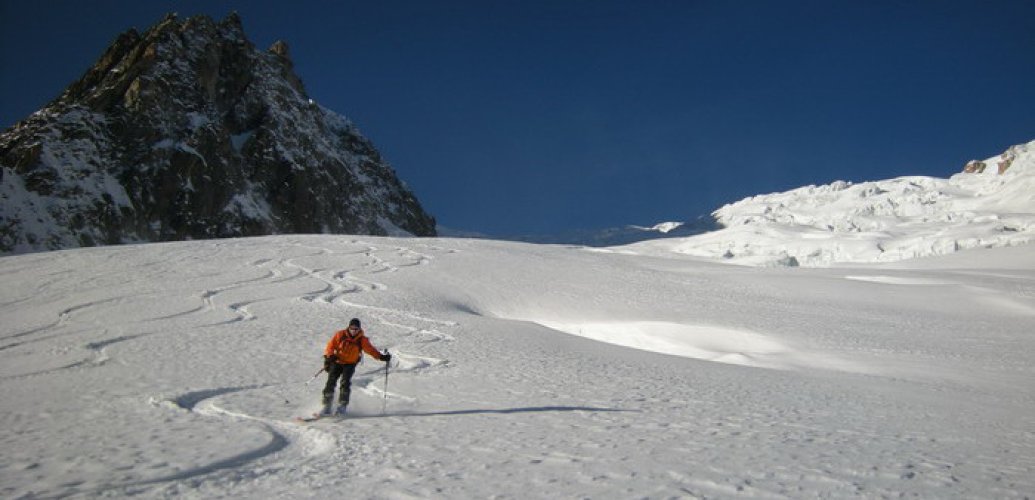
<point x="340" y="357"/>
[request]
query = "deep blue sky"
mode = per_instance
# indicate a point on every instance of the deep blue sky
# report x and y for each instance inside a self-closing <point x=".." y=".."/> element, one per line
<point x="513" y="117"/>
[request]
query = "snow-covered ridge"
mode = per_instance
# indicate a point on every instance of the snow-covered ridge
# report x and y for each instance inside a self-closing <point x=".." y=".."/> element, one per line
<point x="878" y="221"/>
<point x="613" y="236"/>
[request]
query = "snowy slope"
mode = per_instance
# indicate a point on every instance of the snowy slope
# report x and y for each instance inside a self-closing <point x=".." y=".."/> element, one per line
<point x="878" y="221"/>
<point x="523" y="371"/>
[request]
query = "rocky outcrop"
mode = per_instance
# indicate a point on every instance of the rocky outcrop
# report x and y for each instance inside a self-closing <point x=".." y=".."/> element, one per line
<point x="1007" y="158"/>
<point x="1003" y="162"/>
<point x="975" y="167"/>
<point x="187" y="131"/>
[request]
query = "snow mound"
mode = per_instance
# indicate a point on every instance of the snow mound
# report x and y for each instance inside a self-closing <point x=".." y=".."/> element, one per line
<point x="880" y="221"/>
<point x="705" y="342"/>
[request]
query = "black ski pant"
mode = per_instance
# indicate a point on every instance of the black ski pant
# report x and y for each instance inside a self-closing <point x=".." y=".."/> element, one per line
<point x="344" y="372"/>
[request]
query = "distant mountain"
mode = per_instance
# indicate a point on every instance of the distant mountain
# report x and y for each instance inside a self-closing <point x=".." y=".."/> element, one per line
<point x="619" y="235"/>
<point x="187" y="131"/>
<point x="990" y="204"/>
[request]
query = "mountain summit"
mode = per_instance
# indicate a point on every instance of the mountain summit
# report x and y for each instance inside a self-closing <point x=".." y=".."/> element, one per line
<point x="187" y="131"/>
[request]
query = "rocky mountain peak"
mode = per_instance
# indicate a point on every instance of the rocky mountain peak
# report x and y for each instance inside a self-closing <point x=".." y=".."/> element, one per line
<point x="188" y="131"/>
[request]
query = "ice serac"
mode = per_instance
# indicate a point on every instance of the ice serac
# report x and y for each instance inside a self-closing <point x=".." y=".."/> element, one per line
<point x="188" y="131"/>
<point x="990" y="204"/>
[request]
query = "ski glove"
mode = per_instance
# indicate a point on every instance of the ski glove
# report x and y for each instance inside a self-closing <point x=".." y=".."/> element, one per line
<point x="327" y="362"/>
<point x="386" y="357"/>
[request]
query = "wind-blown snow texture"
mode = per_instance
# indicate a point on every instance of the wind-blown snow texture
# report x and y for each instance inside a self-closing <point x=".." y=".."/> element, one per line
<point x="176" y="368"/>
<point x="878" y="221"/>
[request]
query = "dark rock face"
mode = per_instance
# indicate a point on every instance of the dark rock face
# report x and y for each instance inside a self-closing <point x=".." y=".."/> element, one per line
<point x="187" y="131"/>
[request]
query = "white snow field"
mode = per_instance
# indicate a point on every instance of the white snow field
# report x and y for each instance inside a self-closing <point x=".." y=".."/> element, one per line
<point x="520" y="371"/>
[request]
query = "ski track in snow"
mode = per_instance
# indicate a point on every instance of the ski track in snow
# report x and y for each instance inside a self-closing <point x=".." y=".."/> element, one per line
<point x="337" y="273"/>
<point x="211" y="344"/>
<point x="339" y="283"/>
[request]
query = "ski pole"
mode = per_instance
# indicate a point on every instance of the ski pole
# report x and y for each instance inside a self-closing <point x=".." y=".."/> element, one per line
<point x="288" y="401"/>
<point x="317" y="374"/>
<point x="384" y="404"/>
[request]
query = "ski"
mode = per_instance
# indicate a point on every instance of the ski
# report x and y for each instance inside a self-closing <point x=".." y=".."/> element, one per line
<point x="318" y="416"/>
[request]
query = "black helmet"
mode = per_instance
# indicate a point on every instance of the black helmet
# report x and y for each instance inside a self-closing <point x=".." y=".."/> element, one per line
<point x="355" y="322"/>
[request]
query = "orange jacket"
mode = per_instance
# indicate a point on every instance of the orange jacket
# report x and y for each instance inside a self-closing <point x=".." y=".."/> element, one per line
<point x="346" y="347"/>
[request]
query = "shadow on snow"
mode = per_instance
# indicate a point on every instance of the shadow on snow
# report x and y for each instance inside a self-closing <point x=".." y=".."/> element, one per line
<point x="503" y="411"/>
